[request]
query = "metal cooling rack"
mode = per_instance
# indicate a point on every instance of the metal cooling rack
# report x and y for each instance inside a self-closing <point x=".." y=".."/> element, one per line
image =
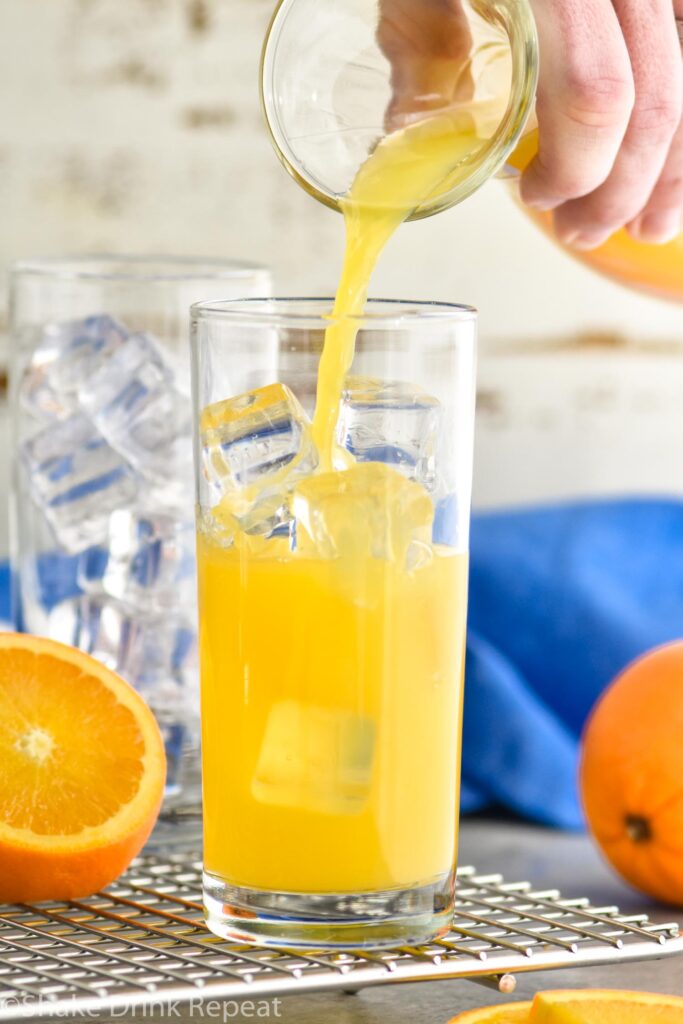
<point x="143" y="941"/>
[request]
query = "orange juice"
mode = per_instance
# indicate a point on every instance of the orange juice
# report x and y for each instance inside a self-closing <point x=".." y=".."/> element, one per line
<point x="331" y="712"/>
<point x="657" y="269"/>
<point x="405" y="169"/>
<point x="332" y="671"/>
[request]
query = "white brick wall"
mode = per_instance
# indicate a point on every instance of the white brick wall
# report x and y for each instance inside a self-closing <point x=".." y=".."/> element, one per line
<point x="587" y="417"/>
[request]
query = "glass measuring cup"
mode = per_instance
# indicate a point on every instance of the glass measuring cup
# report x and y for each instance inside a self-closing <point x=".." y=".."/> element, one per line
<point x="328" y="78"/>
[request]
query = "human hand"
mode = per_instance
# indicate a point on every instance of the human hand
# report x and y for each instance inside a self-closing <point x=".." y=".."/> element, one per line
<point x="609" y="113"/>
<point x="609" y="106"/>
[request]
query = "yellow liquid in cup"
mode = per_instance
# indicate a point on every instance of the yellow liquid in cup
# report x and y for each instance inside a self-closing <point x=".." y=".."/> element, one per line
<point x="332" y="687"/>
<point x="331" y="720"/>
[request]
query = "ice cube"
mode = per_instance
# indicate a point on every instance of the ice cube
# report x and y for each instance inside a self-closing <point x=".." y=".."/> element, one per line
<point x="79" y="621"/>
<point x="391" y="422"/>
<point x="255" y="448"/>
<point x="180" y="729"/>
<point x="157" y="655"/>
<point x="147" y="561"/>
<point x="67" y="355"/>
<point x="133" y="401"/>
<point x="161" y="649"/>
<point x="315" y="758"/>
<point x="368" y="511"/>
<point x="77" y="480"/>
<point x="143" y="648"/>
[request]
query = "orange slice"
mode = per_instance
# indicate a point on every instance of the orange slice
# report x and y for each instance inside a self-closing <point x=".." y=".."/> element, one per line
<point x="505" y="1013"/>
<point x="587" y="1006"/>
<point x="595" y="1006"/>
<point x="82" y="771"/>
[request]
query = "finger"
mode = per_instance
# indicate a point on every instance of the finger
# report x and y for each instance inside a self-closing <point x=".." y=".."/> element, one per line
<point x="650" y="33"/>
<point x="585" y="98"/>
<point x="662" y="218"/>
<point x="428" y="45"/>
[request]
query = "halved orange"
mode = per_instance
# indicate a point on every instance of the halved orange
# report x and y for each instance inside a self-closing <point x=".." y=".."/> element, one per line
<point x="584" y="1006"/>
<point x="504" y="1013"/>
<point x="82" y="770"/>
<point x="600" y="1006"/>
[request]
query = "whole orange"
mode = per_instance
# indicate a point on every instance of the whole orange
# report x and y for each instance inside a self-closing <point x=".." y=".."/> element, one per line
<point x="631" y="773"/>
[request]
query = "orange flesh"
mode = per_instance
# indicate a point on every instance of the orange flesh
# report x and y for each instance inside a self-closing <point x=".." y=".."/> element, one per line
<point x="510" y="1013"/>
<point x="594" y="1007"/>
<point x="61" y="767"/>
<point x="588" y="1006"/>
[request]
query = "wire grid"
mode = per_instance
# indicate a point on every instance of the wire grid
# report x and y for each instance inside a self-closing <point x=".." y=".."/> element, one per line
<point x="143" y="941"/>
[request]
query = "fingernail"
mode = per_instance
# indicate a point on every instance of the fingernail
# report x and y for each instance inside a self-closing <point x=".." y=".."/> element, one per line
<point x="657" y="228"/>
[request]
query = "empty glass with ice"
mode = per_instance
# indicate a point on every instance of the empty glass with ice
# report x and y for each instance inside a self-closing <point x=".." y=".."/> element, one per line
<point x="103" y="544"/>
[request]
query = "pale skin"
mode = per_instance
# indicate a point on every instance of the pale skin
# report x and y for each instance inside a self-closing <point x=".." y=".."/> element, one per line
<point x="609" y="106"/>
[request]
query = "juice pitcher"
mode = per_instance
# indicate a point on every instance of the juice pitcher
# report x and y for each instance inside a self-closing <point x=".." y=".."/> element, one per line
<point x="339" y="75"/>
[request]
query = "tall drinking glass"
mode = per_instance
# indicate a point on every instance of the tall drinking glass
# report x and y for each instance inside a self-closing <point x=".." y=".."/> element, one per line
<point x="102" y="503"/>
<point x="332" y="607"/>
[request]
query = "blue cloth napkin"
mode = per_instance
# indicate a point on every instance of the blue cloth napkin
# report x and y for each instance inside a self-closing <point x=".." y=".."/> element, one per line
<point x="5" y="594"/>
<point x="561" y="599"/>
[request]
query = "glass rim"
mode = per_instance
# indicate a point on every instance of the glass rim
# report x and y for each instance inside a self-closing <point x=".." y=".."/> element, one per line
<point x="131" y="267"/>
<point x="281" y="311"/>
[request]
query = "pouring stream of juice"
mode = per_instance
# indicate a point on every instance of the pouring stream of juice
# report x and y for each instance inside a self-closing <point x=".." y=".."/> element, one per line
<point x="405" y="169"/>
<point x="402" y="172"/>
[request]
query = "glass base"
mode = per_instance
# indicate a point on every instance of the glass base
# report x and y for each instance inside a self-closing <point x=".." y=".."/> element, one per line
<point x="363" y="920"/>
